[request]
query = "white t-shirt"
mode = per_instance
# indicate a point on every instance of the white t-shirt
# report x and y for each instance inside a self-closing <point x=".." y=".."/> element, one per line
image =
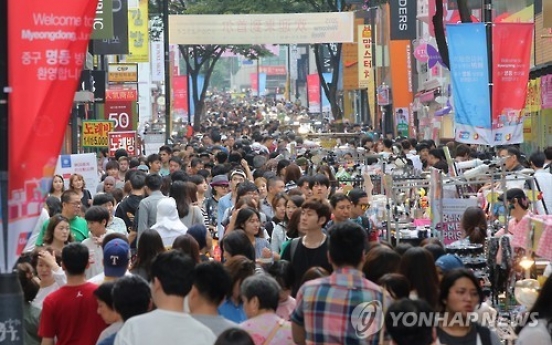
<point x="95" y="258"/>
<point x="164" y="327"/>
<point x="535" y="334"/>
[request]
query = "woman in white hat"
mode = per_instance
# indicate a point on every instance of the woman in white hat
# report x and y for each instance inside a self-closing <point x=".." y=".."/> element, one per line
<point x="168" y="223"/>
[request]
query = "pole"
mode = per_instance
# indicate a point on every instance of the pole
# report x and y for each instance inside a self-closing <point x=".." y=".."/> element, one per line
<point x="258" y="77"/>
<point x="11" y="295"/>
<point x="167" y="71"/>
<point x="488" y="19"/>
<point x="288" y="82"/>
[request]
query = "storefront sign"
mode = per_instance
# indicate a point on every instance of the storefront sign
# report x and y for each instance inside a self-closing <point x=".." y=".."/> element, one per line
<point x="403" y="19"/>
<point x="157" y="62"/>
<point x="288" y="28"/>
<point x="122" y="115"/>
<point x="94" y="133"/>
<point x="103" y="23"/>
<point x="273" y="70"/>
<point x="122" y="140"/>
<point x="47" y="50"/>
<point x="138" y="34"/>
<point x="118" y="43"/>
<point x="116" y="93"/>
<point x="365" y="66"/>
<point x="122" y="73"/>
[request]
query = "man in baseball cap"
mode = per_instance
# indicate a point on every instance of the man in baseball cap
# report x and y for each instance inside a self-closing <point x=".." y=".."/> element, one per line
<point x="116" y="259"/>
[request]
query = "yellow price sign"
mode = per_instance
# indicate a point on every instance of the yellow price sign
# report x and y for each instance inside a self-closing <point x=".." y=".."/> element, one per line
<point x="94" y="133"/>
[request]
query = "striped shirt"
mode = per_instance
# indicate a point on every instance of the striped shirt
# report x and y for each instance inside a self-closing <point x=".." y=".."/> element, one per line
<point x="325" y="306"/>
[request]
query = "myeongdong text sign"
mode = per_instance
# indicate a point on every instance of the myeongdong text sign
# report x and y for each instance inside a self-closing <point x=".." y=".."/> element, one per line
<point x="286" y="28"/>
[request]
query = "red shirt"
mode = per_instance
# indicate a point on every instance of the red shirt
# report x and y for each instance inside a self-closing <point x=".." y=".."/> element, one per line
<point x="70" y="315"/>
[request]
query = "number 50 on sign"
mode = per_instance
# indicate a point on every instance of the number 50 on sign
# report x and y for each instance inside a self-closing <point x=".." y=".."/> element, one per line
<point x="121" y="113"/>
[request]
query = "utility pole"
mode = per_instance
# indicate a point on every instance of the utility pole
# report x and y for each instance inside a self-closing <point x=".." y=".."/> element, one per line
<point x="488" y="19"/>
<point x="168" y="124"/>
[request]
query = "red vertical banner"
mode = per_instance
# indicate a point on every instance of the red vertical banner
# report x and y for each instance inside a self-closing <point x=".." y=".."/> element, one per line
<point x="47" y="49"/>
<point x="254" y="81"/>
<point x="510" y="79"/>
<point x="313" y="92"/>
<point x="180" y="94"/>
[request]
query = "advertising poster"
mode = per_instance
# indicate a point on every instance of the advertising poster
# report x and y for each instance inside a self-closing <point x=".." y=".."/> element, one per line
<point x="453" y="209"/>
<point x="122" y="114"/>
<point x="103" y="23"/>
<point x="180" y="96"/>
<point x="85" y="164"/>
<point x="47" y="50"/>
<point x="138" y="33"/>
<point x="510" y="78"/>
<point x="470" y="82"/>
<point x="402" y="118"/>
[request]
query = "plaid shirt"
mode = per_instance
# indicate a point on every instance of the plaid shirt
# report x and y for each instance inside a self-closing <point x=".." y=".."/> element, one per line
<point x="325" y="305"/>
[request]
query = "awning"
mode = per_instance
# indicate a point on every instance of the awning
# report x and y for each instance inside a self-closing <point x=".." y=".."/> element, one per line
<point x="540" y="70"/>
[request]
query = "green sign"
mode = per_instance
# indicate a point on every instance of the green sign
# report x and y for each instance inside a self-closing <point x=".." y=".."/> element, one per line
<point x="103" y="23"/>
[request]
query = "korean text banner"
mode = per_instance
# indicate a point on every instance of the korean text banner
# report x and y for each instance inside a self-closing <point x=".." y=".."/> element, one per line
<point x="138" y="34"/>
<point x="118" y="44"/>
<point x="180" y="96"/>
<point x="296" y="28"/>
<point x="47" y="49"/>
<point x="510" y="77"/>
<point x="470" y="82"/>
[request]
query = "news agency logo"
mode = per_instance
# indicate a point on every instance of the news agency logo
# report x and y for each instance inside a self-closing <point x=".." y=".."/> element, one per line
<point x="367" y="319"/>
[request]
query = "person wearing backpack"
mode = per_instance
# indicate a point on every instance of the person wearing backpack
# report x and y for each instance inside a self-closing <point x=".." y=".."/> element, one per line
<point x="460" y="294"/>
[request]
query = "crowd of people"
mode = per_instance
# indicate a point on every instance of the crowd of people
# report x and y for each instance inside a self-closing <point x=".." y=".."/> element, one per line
<point x="236" y="237"/>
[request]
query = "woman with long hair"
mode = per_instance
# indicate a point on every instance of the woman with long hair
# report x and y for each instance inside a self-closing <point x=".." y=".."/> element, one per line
<point x="58" y="187"/>
<point x="474" y="226"/>
<point x="293" y="174"/>
<point x="248" y="220"/>
<point x="281" y="168"/>
<point x="52" y="206"/>
<point x="57" y="234"/>
<point x="202" y="188"/>
<point x="418" y="267"/>
<point x="459" y="296"/>
<point x="188" y="245"/>
<point x="31" y="314"/>
<point x="260" y="182"/>
<point x="239" y="267"/>
<point x="278" y="221"/>
<point x="76" y="183"/>
<point x="185" y="194"/>
<point x="149" y="245"/>
<point x="290" y="225"/>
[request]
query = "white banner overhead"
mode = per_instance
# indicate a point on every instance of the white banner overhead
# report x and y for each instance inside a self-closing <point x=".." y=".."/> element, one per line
<point x="296" y="28"/>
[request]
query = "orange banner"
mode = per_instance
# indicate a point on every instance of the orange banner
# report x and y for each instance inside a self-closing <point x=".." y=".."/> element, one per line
<point x="401" y="73"/>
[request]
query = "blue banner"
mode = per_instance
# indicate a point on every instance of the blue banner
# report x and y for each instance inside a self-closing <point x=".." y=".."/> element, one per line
<point x="469" y="66"/>
<point x="262" y="83"/>
<point x="200" y="82"/>
<point x="325" y="101"/>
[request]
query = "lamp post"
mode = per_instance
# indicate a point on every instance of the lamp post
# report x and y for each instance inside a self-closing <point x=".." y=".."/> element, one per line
<point x="167" y="71"/>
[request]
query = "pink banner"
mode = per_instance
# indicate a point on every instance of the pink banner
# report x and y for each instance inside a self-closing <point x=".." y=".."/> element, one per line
<point x="180" y="94"/>
<point x="47" y="50"/>
<point x="546" y="92"/>
<point x="254" y="80"/>
<point x="510" y="78"/>
<point x="313" y="92"/>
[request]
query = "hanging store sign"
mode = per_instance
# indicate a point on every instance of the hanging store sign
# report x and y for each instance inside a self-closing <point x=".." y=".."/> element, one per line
<point x="288" y="28"/>
<point x="122" y="140"/>
<point x="122" y="73"/>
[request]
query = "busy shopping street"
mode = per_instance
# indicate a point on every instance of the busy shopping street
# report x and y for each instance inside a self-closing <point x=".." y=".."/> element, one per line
<point x="226" y="172"/>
